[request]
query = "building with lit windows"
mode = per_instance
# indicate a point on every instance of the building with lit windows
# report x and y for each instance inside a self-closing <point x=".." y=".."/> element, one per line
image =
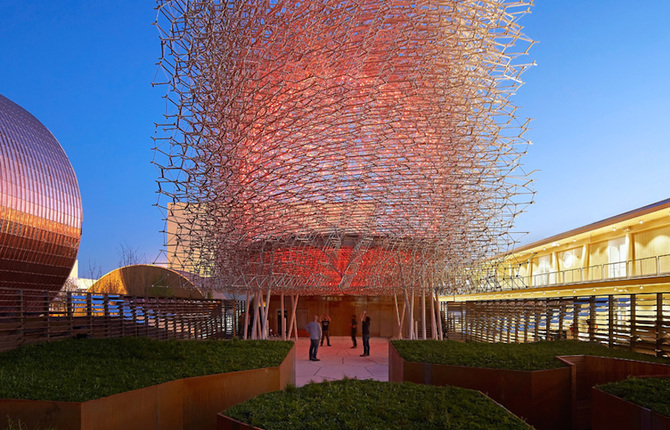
<point x="627" y="253"/>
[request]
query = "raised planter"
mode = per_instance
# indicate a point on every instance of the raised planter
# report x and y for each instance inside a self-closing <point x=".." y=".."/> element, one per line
<point x="548" y="399"/>
<point x="184" y="404"/>
<point x="379" y="404"/>
<point x="614" y="413"/>
<point x="542" y="397"/>
<point x="224" y="422"/>
<point x="589" y="371"/>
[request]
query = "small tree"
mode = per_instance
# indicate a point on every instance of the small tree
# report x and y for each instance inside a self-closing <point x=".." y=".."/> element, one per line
<point x="70" y="286"/>
<point x="93" y="271"/>
<point x="129" y="255"/>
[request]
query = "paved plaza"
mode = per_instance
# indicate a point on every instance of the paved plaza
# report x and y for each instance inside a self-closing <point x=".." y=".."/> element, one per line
<point x="340" y="360"/>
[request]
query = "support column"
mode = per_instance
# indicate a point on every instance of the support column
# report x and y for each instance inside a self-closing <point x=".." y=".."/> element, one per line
<point x="254" y="329"/>
<point x="397" y="316"/>
<point x="266" y="310"/>
<point x="293" y="325"/>
<point x="411" y="317"/>
<point x="438" y="316"/>
<point x="409" y="314"/>
<point x="281" y="318"/>
<point x="423" y="312"/>
<point x="554" y="268"/>
<point x="432" y="314"/>
<point x="586" y="260"/>
<point x="630" y="255"/>
<point x="246" y="317"/>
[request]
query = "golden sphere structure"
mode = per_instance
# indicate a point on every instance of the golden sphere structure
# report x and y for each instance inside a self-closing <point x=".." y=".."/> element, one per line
<point x="40" y="204"/>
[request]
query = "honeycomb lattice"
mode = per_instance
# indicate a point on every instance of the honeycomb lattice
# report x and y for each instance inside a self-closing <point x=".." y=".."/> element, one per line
<point x="348" y="147"/>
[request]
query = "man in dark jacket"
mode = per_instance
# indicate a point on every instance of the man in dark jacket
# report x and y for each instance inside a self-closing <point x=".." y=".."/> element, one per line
<point x="354" y="326"/>
<point x="366" y="334"/>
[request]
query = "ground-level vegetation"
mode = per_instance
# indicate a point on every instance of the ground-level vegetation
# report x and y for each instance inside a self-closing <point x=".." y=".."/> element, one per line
<point x="650" y="393"/>
<point x="354" y="404"/>
<point x="511" y="356"/>
<point x="85" y="369"/>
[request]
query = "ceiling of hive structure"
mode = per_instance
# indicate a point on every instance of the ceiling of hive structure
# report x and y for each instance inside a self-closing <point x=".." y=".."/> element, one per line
<point x="351" y="147"/>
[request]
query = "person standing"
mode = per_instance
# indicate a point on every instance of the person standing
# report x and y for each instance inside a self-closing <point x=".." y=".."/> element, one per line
<point x="325" y="332"/>
<point x="354" y="326"/>
<point x="314" y="330"/>
<point x="366" y="334"/>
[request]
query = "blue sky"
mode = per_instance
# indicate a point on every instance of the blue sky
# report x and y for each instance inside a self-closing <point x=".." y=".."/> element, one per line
<point x="599" y="98"/>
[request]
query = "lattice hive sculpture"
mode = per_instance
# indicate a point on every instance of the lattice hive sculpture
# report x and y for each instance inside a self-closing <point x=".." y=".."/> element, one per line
<point x="353" y="147"/>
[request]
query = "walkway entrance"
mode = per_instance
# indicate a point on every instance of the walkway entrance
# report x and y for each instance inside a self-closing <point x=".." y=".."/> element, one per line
<point x="340" y="360"/>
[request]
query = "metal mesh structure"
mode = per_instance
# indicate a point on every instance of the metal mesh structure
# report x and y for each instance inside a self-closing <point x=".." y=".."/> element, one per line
<point x="349" y="147"/>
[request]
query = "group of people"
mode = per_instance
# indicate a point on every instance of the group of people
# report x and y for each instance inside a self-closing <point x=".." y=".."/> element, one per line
<point x="319" y="330"/>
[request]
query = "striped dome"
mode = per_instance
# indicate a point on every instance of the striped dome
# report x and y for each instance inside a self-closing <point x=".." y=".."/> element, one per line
<point x="40" y="204"/>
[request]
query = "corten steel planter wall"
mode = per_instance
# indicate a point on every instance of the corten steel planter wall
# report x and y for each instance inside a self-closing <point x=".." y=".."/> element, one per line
<point x="613" y="413"/>
<point x="589" y="371"/>
<point x="224" y="422"/>
<point x="542" y="397"/>
<point x="185" y="404"/>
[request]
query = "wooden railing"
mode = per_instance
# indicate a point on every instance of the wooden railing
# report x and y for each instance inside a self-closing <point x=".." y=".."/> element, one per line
<point x="639" y="322"/>
<point x="29" y="316"/>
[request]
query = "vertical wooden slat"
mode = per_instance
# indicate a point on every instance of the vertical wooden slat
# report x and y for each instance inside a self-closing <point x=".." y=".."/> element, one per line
<point x="547" y="315"/>
<point x="561" y="311"/>
<point x="575" y="318"/>
<point x="633" y="322"/>
<point x="69" y="311"/>
<point x="659" y="324"/>
<point x="536" y="322"/>
<point x="592" y="319"/>
<point x="106" y="330"/>
<point x="610" y="320"/>
<point x="89" y="314"/>
<point x="22" y="320"/>
<point x="526" y="321"/>
<point x="45" y="316"/>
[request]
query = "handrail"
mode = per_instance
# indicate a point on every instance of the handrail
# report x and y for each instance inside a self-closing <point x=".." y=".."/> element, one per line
<point x="658" y="265"/>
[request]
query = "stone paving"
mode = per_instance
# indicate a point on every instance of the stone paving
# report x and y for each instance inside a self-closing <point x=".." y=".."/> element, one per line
<point x="340" y="360"/>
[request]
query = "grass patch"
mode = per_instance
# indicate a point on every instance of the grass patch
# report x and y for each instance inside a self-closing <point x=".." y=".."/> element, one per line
<point x="18" y="425"/>
<point x="650" y="393"/>
<point x="85" y="369"/>
<point x="511" y="356"/>
<point x="354" y="404"/>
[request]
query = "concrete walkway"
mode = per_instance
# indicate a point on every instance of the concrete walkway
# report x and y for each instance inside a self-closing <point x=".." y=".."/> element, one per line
<point x="340" y="360"/>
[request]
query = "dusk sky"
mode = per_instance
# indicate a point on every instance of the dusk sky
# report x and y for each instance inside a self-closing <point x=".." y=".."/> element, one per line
<point x="599" y="98"/>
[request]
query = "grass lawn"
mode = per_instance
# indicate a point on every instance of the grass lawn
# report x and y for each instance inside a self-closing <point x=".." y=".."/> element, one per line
<point x="512" y="356"/>
<point x="86" y="369"/>
<point x="650" y="393"/>
<point x="354" y="404"/>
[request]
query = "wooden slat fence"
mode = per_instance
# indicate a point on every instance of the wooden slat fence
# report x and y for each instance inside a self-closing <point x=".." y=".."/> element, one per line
<point x="639" y="322"/>
<point x="29" y="316"/>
